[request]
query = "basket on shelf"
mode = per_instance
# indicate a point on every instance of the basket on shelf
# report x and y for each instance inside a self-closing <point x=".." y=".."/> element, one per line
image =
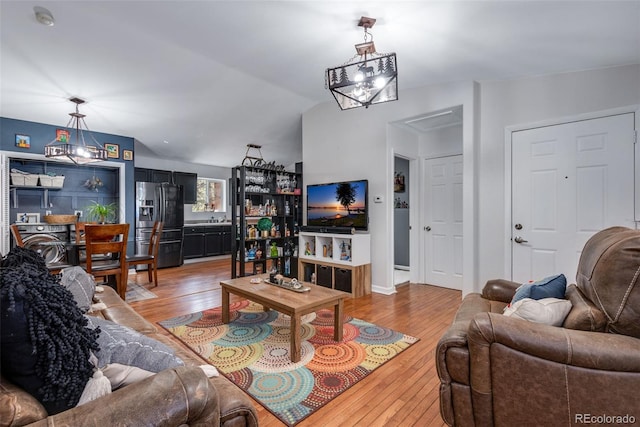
<point x="60" y="219"/>
<point x="51" y="181"/>
<point x="23" y="179"/>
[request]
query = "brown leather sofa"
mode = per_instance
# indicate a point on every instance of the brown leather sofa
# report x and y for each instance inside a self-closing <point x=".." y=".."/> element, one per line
<point x="504" y="371"/>
<point x="182" y="396"/>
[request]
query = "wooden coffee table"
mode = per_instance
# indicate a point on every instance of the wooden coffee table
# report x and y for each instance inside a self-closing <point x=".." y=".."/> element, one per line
<point x="293" y="304"/>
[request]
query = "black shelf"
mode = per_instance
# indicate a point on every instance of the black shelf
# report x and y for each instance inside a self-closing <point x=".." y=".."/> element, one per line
<point x="245" y="184"/>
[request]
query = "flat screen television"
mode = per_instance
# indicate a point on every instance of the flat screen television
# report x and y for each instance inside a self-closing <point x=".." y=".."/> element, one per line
<point x="338" y="204"/>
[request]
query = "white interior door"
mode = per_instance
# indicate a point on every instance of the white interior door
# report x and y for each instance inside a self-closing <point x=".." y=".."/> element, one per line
<point x="568" y="182"/>
<point x="443" y="222"/>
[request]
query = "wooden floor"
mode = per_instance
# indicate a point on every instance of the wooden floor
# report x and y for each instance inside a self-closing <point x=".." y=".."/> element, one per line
<point x="403" y="392"/>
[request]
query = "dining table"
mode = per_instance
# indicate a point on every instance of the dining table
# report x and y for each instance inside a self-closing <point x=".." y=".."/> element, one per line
<point x="72" y="250"/>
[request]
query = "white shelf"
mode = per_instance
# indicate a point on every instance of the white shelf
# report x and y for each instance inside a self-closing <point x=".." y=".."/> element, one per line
<point x="343" y="249"/>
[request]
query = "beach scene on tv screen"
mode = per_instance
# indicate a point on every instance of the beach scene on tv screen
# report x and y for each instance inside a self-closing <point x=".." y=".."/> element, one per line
<point x="337" y="205"/>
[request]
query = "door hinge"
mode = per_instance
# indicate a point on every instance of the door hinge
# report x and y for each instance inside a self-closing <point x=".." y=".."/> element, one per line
<point x="635" y="136"/>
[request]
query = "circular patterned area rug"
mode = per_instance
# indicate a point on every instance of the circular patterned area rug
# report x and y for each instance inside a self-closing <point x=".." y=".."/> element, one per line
<point x="253" y="351"/>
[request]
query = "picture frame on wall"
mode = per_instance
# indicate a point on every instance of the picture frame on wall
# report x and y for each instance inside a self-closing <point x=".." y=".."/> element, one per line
<point x="398" y="182"/>
<point x="23" y="141"/>
<point x="28" y="217"/>
<point x="127" y="155"/>
<point x="62" y="135"/>
<point x="113" y="150"/>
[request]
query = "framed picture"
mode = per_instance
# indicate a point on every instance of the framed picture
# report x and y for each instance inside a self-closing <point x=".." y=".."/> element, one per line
<point x="28" y="217"/>
<point x="23" y="141"/>
<point x="62" y="135"/>
<point x="127" y="155"/>
<point x="113" y="151"/>
<point x="398" y="182"/>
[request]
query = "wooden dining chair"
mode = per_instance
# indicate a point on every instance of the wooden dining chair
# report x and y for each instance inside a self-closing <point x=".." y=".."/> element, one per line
<point x="150" y="258"/>
<point x="80" y="240"/>
<point x="80" y="231"/>
<point x="108" y="239"/>
<point x="16" y="235"/>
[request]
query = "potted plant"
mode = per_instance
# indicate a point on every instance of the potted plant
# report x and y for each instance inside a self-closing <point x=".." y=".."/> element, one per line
<point x="101" y="212"/>
<point x="264" y="225"/>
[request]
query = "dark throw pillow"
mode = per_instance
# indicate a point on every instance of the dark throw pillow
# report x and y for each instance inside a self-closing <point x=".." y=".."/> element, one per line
<point x="549" y="287"/>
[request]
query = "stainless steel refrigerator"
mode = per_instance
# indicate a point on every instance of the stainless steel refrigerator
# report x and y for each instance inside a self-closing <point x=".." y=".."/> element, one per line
<point x="160" y="202"/>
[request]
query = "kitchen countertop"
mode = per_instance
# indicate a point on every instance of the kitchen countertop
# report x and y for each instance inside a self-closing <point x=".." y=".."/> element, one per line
<point x="205" y="223"/>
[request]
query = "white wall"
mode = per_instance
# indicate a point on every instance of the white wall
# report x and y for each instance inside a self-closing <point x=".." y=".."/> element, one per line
<point x="355" y="144"/>
<point x="203" y="171"/>
<point x="524" y="102"/>
<point x="441" y="142"/>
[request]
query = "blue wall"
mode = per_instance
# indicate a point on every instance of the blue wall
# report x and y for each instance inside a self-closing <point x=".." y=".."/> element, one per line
<point x="42" y="134"/>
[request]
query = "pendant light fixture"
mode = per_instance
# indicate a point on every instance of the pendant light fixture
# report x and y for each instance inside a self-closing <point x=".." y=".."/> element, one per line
<point x="367" y="78"/>
<point x="79" y="152"/>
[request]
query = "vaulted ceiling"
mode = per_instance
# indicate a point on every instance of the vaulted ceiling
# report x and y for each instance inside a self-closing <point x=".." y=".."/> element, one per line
<point x="197" y="81"/>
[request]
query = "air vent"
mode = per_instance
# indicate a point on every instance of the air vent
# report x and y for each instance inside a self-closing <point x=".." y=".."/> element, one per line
<point x="435" y="120"/>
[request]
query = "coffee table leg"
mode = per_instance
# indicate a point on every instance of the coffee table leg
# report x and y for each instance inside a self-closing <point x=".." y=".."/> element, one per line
<point x="295" y="338"/>
<point x="337" y="321"/>
<point x="225" y="306"/>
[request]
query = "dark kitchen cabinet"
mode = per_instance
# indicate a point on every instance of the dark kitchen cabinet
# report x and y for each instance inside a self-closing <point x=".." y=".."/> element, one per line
<point x="194" y="242"/>
<point x="226" y="240"/>
<point x="160" y="176"/>
<point x="203" y="241"/>
<point x="142" y="175"/>
<point x="189" y="182"/>
<point x="213" y="241"/>
<point x="152" y="175"/>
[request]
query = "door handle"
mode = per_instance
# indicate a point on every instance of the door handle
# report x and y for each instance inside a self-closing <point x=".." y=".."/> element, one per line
<point x="519" y="239"/>
<point x="427" y="228"/>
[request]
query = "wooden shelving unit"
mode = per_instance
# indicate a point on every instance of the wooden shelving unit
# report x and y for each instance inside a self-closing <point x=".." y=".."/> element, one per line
<point x="338" y="261"/>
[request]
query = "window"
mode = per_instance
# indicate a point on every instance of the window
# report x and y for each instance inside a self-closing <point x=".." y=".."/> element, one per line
<point x="210" y="196"/>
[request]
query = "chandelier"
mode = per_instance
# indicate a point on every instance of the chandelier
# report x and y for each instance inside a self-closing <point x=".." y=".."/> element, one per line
<point x="79" y="152"/>
<point x="367" y="78"/>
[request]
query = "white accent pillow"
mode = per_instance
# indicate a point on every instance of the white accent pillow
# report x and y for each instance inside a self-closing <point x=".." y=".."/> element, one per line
<point x="550" y="311"/>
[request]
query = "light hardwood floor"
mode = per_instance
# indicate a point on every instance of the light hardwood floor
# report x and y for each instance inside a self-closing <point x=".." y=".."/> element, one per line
<point x="403" y="392"/>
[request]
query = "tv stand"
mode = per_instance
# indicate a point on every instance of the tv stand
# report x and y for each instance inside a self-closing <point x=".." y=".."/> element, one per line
<point x="337" y="261"/>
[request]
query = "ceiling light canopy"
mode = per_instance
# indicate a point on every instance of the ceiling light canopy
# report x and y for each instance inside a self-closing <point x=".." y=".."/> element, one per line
<point x="79" y="152"/>
<point x="44" y="16"/>
<point x="367" y="78"/>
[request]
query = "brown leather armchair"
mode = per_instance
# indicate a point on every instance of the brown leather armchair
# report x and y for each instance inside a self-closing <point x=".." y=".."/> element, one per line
<point x="497" y="370"/>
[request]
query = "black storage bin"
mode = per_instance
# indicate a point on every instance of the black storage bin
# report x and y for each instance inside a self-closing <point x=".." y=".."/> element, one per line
<point x="323" y="277"/>
<point x="309" y="269"/>
<point x="343" y="279"/>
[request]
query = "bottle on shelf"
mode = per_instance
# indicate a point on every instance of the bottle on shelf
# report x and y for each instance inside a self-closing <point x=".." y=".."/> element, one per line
<point x="252" y="232"/>
<point x="287" y="266"/>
